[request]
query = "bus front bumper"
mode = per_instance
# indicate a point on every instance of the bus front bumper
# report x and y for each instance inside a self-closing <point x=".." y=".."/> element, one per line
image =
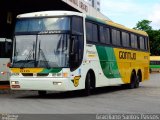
<point x="41" y="84"/>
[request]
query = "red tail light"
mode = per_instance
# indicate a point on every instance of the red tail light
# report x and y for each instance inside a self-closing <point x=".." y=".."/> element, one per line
<point x="9" y="64"/>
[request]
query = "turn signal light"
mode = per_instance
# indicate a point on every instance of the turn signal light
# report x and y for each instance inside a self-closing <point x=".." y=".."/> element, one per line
<point x="9" y="64"/>
<point x="3" y="73"/>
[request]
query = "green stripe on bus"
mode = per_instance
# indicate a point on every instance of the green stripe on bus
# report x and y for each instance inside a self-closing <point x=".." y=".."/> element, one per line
<point x="54" y="70"/>
<point x="108" y="62"/>
<point x="154" y="66"/>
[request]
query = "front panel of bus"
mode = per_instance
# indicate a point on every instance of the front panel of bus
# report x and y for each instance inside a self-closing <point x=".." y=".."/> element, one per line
<point x="46" y="51"/>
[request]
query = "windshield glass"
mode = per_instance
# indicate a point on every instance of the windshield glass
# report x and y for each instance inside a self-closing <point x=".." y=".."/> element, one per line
<point x="24" y="51"/>
<point x="42" y="51"/>
<point x="53" y="50"/>
<point x="42" y="24"/>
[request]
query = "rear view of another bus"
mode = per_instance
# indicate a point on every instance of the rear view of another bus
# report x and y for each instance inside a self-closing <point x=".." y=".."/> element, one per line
<point x="5" y="56"/>
<point x="154" y="63"/>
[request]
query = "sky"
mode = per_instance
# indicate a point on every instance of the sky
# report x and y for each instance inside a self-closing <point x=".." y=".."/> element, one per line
<point x="129" y="12"/>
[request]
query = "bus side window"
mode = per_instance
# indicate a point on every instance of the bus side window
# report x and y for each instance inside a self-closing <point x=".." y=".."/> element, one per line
<point x="77" y="25"/>
<point x="95" y="33"/>
<point x="141" y="41"/>
<point x="116" y="37"/>
<point x="107" y="35"/>
<point x="102" y="35"/>
<point x="125" y="39"/>
<point x="146" y="43"/>
<point x="89" y="31"/>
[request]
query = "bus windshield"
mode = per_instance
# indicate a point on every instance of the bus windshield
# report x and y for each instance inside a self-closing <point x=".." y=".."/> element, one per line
<point x="42" y="24"/>
<point x="48" y="42"/>
<point x="35" y="46"/>
<point x="42" y="51"/>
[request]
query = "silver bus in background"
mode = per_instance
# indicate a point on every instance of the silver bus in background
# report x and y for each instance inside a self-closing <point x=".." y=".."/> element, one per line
<point x="5" y="59"/>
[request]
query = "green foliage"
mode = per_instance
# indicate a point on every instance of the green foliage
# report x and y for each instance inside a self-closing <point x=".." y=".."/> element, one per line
<point x="154" y="35"/>
<point x="144" y="25"/>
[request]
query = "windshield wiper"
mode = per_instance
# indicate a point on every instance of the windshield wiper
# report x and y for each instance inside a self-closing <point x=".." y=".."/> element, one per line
<point x="41" y="53"/>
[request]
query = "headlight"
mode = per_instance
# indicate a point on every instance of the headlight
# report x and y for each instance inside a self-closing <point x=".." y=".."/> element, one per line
<point x="14" y="82"/>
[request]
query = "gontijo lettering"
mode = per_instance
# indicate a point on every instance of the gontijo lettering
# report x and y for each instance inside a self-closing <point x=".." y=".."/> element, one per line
<point x="127" y="55"/>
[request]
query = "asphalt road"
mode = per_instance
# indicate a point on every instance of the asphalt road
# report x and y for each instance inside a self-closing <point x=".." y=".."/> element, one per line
<point x="145" y="99"/>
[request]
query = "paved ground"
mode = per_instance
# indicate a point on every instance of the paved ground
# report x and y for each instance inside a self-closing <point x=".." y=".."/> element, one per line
<point x="145" y="100"/>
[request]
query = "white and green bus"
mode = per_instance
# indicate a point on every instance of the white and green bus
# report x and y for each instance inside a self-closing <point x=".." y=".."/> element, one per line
<point x="67" y="51"/>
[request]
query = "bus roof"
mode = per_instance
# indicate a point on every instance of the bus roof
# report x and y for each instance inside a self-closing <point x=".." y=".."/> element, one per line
<point x="49" y="14"/>
<point x="113" y="24"/>
<point x="154" y="58"/>
<point x="69" y="13"/>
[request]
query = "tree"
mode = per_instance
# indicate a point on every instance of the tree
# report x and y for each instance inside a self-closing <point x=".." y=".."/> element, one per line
<point x="143" y="25"/>
<point x="154" y="36"/>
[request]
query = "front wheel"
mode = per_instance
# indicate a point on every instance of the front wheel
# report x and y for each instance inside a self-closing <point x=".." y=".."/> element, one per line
<point x="87" y="90"/>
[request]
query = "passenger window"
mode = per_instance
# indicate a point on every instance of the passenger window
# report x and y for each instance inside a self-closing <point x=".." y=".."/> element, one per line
<point x="125" y="39"/>
<point x="134" y="41"/>
<point x="77" y="25"/>
<point x="116" y="37"/>
<point x="104" y="35"/>
<point x="141" y="41"/>
<point x="95" y="32"/>
<point x="89" y="31"/>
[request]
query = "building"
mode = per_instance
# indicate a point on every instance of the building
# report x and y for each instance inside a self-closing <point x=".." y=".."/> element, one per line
<point x="16" y="7"/>
<point x="95" y="3"/>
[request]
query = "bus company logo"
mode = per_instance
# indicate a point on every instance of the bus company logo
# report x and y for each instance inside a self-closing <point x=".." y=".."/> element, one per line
<point x="50" y="32"/>
<point x="127" y="55"/>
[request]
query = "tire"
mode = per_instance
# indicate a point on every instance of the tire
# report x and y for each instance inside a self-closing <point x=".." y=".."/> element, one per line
<point x="42" y="93"/>
<point x="133" y="81"/>
<point x="87" y="90"/>
<point x="137" y="81"/>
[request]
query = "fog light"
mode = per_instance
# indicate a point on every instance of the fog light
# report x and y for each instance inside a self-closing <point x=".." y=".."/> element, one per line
<point x="14" y="82"/>
<point x="57" y="83"/>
